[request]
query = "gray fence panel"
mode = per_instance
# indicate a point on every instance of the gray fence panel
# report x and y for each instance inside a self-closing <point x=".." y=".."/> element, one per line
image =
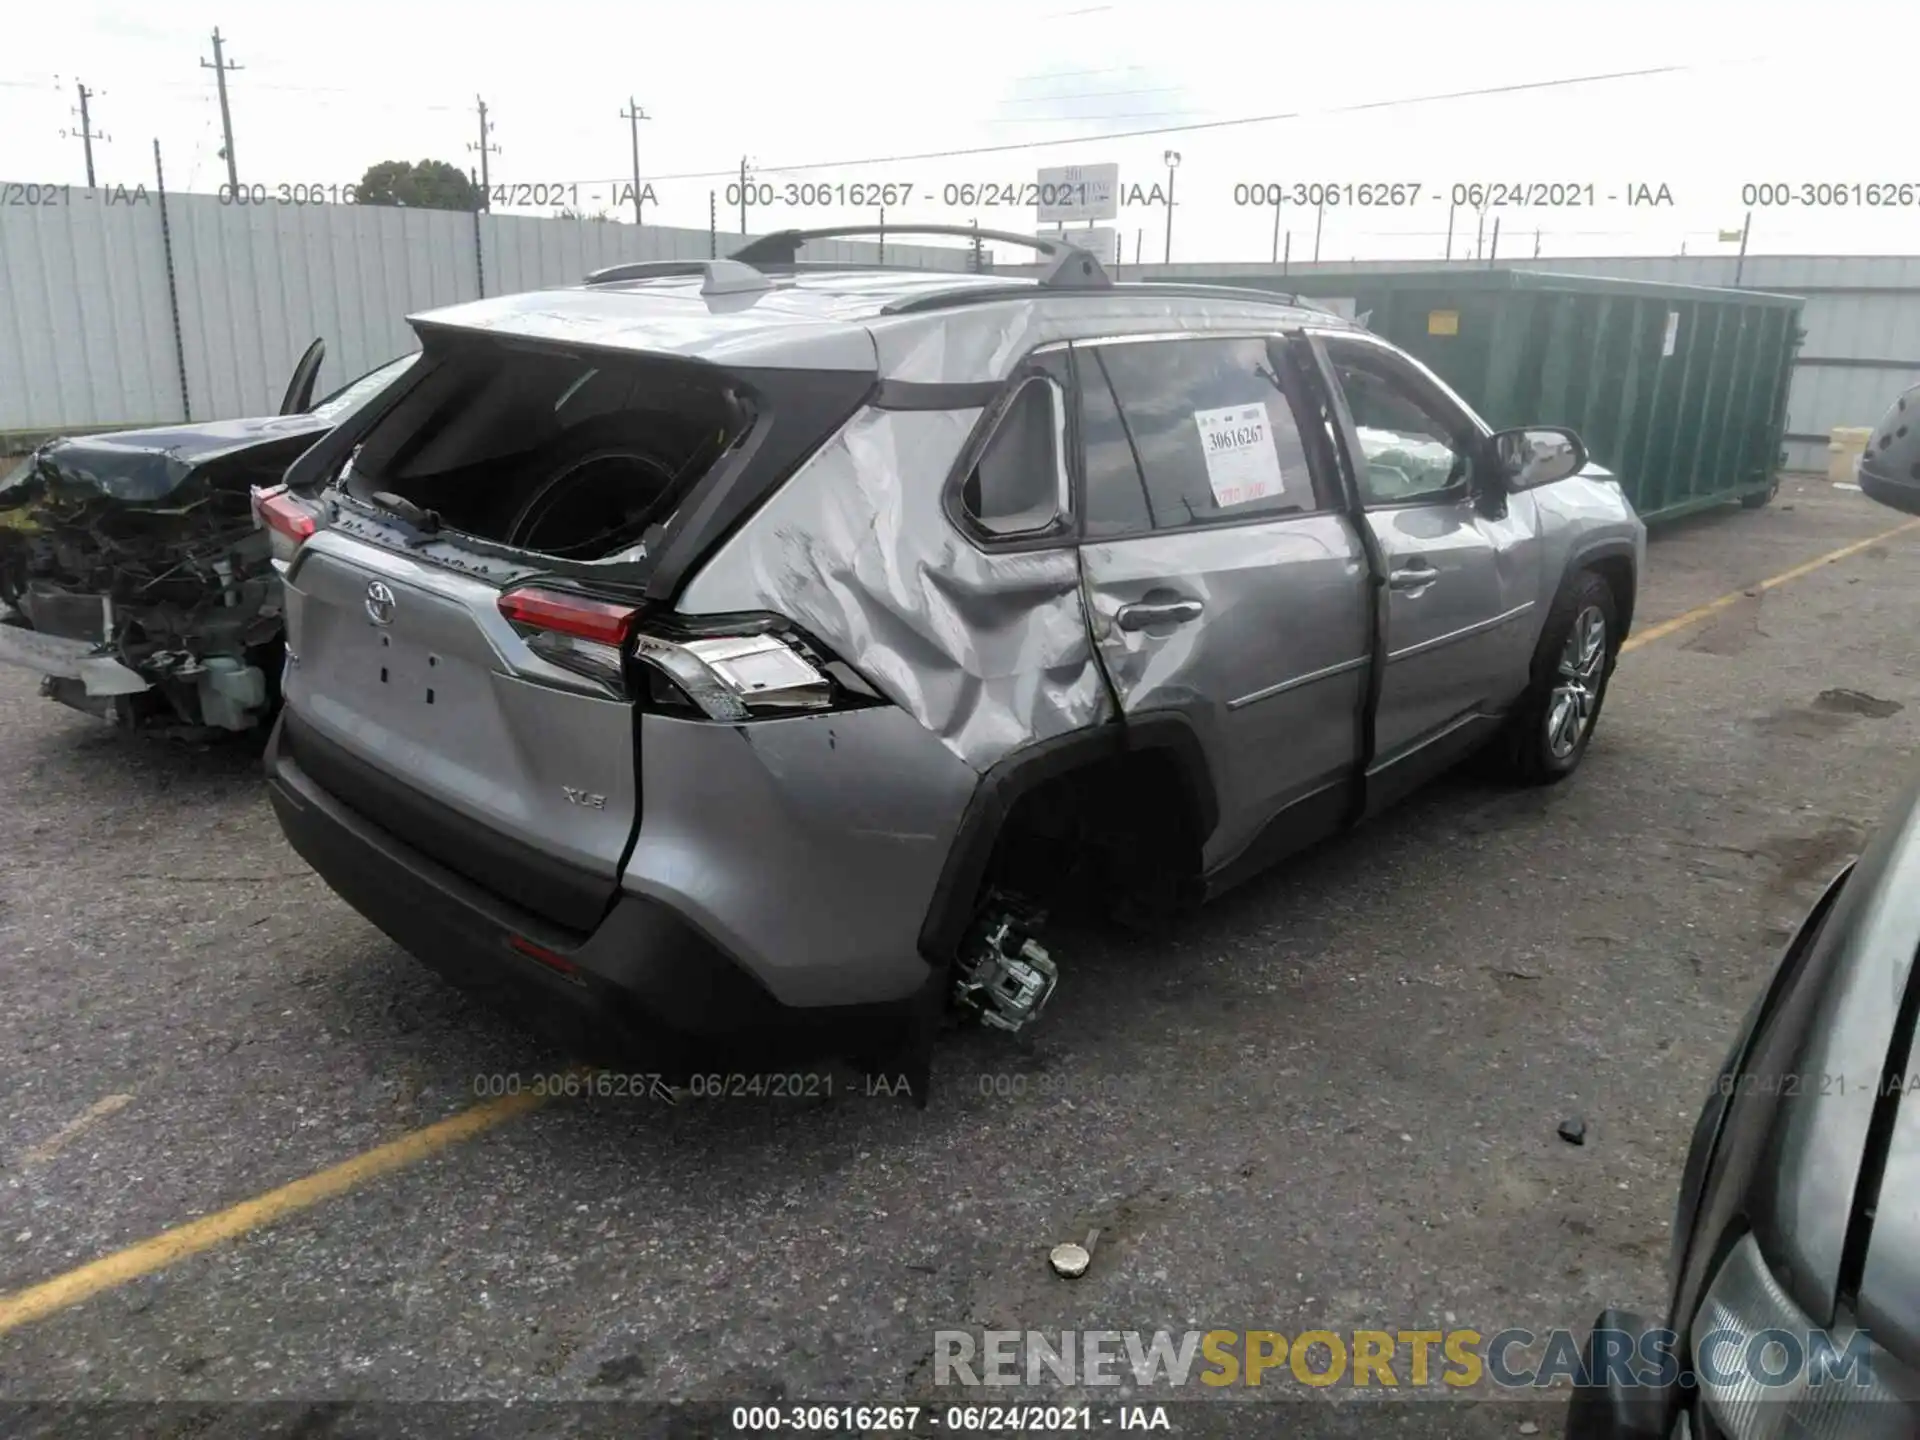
<point x="86" y="335"/>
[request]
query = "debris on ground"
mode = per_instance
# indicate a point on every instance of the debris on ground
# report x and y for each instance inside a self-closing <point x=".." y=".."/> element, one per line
<point x="1856" y="702"/>
<point x="1070" y="1261"/>
<point x="1574" y="1130"/>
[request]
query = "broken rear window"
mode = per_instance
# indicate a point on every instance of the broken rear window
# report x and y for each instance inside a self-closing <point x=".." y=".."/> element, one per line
<point x="572" y="455"/>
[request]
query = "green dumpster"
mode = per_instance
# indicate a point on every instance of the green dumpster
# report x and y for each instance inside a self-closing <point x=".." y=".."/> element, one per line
<point x="1680" y="390"/>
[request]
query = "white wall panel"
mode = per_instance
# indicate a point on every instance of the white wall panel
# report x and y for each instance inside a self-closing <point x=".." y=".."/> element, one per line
<point x="87" y="336"/>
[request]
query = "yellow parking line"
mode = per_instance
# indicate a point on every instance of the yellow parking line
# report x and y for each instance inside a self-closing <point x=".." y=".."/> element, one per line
<point x="36" y="1302"/>
<point x="1696" y="615"/>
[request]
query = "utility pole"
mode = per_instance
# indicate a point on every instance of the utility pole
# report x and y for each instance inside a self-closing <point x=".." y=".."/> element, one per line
<point x="220" y="65"/>
<point x="1536" y="244"/>
<point x="1172" y="158"/>
<point x="1494" y="253"/>
<point x="1739" y="266"/>
<point x="1276" y="224"/>
<point x="87" y="133"/>
<point x="633" y="115"/>
<point x="1450" y="209"/>
<point x="1318" y="220"/>
<point x="486" y="148"/>
<point x="743" y="195"/>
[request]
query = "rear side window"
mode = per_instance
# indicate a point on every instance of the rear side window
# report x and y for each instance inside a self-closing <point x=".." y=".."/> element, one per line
<point x="1190" y="432"/>
<point x="1018" y="485"/>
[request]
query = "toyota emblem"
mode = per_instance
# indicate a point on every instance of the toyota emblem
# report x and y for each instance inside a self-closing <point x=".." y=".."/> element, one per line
<point x="379" y="603"/>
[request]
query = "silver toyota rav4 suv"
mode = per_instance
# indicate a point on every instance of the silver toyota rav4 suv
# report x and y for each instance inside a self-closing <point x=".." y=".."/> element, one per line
<point x="721" y="653"/>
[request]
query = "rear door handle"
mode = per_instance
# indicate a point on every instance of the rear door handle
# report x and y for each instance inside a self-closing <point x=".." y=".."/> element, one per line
<point x="1144" y="614"/>
<point x="1414" y="576"/>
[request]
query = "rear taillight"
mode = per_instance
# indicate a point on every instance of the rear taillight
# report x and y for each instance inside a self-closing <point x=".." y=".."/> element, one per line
<point x="605" y="621"/>
<point x="288" y="522"/>
<point x="735" y="677"/>
<point x="575" y="632"/>
<point x="747" y="667"/>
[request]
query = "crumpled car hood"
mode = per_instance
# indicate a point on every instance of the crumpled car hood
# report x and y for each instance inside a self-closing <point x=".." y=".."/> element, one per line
<point x="143" y="467"/>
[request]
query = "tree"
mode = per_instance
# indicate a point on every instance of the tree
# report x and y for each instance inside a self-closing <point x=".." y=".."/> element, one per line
<point x="567" y="212"/>
<point x="427" y="185"/>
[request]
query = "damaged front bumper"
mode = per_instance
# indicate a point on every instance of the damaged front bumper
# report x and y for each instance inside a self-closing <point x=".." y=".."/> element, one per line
<point x="221" y="692"/>
<point x="152" y="614"/>
<point x="99" y="674"/>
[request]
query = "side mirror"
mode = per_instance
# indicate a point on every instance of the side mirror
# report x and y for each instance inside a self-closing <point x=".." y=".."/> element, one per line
<point x="1538" y="455"/>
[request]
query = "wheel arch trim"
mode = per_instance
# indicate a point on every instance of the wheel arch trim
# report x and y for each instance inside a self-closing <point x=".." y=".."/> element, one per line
<point x="1014" y="775"/>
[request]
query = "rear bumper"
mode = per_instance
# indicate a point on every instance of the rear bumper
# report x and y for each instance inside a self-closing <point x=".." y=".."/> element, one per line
<point x="1891" y="490"/>
<point x="1613" y="1405"/>
<point x="642" y="988"/>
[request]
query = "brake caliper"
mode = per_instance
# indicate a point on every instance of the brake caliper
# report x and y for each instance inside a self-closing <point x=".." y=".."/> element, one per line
<point x="1002" y="972"/>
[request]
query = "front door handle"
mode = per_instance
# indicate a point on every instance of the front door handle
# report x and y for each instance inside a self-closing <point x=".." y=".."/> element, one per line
<point x="1415" y="576"/>
<point x="1144" y="614"/>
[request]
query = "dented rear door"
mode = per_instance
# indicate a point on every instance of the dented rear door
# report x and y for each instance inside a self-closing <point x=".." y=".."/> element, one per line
<point x="1224" y="582"/>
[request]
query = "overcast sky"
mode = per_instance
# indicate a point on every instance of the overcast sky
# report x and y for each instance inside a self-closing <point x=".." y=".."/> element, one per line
<point x="1761" y="93"/>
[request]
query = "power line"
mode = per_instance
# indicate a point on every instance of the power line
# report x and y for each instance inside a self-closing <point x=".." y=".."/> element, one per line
<point x="1011" y="147"/>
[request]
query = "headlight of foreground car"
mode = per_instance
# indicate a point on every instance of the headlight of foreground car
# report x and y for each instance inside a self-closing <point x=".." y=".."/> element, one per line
<point x="1832" y="1386"/>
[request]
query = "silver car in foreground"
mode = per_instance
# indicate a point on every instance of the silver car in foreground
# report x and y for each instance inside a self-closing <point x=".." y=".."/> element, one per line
<point x="738" y="651"/>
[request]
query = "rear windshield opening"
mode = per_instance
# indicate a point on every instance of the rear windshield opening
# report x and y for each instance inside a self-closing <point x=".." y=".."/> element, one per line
<point x="574" y="456"/>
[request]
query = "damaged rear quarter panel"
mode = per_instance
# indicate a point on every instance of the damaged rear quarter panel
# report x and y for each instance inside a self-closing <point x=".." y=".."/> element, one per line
<point x="988" y="651"/>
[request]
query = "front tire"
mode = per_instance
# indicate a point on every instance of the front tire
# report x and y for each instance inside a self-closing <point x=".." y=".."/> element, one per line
<point x="1761" y="497"/>
<point x="1548" y="732"/>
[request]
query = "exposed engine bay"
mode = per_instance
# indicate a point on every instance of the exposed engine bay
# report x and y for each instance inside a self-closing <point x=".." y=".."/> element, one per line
<point x="153" y="610"/>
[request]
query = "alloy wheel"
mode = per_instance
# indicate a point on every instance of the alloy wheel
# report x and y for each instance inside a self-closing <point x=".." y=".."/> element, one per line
<point x="1576" y="692"/>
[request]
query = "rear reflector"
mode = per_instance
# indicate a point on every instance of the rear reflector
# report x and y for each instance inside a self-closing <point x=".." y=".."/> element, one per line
<point x="605" y="621"/>
<point x="559" y="964"/>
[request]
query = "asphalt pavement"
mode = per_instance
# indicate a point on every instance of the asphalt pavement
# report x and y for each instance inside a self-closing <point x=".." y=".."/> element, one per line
<point x="1329" y="1101"/>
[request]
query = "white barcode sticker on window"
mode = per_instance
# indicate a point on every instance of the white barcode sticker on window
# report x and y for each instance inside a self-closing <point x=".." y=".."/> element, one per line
<point x="1242" y="464"/>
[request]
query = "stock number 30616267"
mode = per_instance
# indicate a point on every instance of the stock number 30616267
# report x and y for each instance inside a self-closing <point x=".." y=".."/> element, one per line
<point x="299" y="193"/>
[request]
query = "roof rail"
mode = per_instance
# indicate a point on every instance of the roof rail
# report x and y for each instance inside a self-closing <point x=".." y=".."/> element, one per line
<point x="1015" y="289"/>
<point x="723" y="277"/>
<point x="1072" y="268"/>
<point x="645" y="270"/>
